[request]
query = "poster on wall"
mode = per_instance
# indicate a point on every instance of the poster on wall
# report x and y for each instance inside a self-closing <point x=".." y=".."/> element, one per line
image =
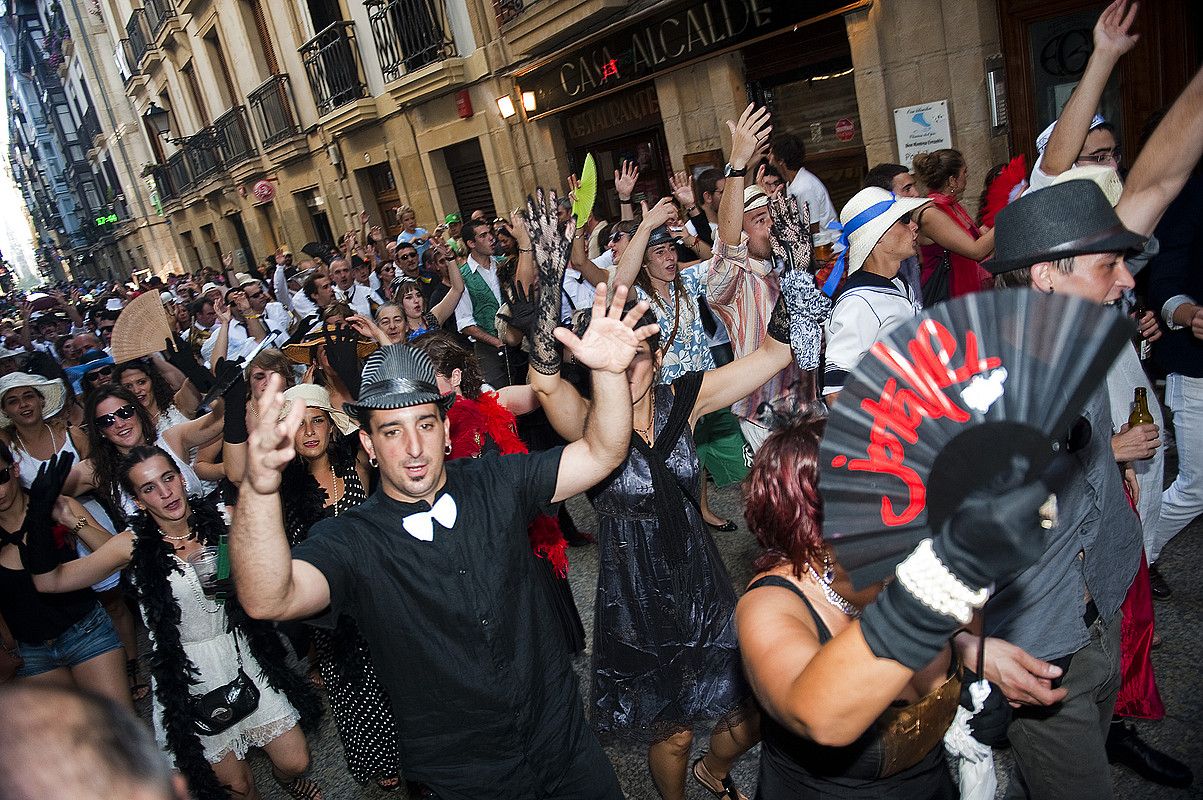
<point x="921" y="129"/>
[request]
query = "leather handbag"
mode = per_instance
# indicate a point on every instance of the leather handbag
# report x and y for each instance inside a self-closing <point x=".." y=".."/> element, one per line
<point x="219" y="709"/>
<point x="937" y="287"/>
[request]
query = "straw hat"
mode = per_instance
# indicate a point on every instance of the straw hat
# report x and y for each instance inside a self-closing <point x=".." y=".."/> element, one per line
<point x="51" y="389"/>
<point x="866" y="218"/>
<point x="398" y="376"/>
<point x="314" y="396"/>
<point x="141" y="329"/>
<point x="1106" y="178"/>
<point x="754" y="198"/>
<point x="302" y="352"/>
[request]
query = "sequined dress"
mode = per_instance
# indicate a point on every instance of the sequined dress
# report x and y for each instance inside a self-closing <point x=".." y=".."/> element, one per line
<point x="665" y="655"/>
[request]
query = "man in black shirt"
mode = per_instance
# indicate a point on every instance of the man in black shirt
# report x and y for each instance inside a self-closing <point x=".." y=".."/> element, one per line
<point x="436" y="569"/>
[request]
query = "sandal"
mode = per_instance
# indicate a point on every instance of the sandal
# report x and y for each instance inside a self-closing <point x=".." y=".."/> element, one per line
<point x="389" y="783"/>
<point x="724" y="788"/>
<point x="300" y="787"/>
<point x="138" y="691"/>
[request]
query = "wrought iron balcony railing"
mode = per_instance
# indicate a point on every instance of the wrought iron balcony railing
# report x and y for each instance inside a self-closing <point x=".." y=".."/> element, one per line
<point x="233" y="136"/>
<point x="140" y="39"/>
<point x="409" y="34"/>
<point x="332" y="65"/>
<point x="272" y="109"/>
<point x="507" y="10"/>
<point x="157" y="14"/>
<point x="179" y="175"/>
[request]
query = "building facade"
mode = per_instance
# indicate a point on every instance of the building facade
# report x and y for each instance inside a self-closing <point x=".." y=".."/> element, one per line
<point x="287" y="120"/>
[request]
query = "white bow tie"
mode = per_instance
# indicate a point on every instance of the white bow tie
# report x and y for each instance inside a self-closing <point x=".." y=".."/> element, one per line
<point x="420" y="524"/>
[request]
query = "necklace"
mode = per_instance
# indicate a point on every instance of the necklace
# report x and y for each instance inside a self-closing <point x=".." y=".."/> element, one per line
<point x="831" y="595"/>
<point x="646" y="433"/>
<point x="186" y="537"/>
<point x="334" y="488"/>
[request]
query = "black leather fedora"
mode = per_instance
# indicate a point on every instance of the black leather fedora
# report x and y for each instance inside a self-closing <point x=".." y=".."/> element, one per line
<point x="397" y="376"/>
<point x="1066" y="219"/>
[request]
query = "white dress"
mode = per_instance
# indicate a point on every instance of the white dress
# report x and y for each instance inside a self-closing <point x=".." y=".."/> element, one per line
<point x="210" y="648"/>
<point x="29" y="470"/>
<point x="169" y="418"/>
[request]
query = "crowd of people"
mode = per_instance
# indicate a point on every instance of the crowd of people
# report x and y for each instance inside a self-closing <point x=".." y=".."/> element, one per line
<point x="340" y="482"/>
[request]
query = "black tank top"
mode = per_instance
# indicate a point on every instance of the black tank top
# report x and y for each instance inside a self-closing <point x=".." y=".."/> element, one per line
<point x="35" y="617"/>
<point x="795" y="768"/>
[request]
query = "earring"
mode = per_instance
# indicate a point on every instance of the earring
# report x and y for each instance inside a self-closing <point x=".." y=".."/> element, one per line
<point x="447" y="450"/>
<point x="372" y="461"/>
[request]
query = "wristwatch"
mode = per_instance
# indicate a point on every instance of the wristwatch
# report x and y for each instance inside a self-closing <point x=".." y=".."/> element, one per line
<point x="732" y="172"/>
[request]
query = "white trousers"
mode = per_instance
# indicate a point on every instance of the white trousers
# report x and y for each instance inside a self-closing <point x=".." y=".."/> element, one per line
<point x="1183" y="501"/>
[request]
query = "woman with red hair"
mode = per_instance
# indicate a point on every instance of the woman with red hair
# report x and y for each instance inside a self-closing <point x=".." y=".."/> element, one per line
<point x="839" y="722"/>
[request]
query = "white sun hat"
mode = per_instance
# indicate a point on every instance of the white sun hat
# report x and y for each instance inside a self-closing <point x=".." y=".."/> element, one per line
<point x="863" y="221"/>
<point x="51" y="389"/>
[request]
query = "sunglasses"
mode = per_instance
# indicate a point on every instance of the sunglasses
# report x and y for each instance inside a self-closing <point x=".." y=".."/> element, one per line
<point x="905" y="219"/>
<point x="408" y="256"/>
<point x="5" y="474"/>
<point x="104" y="372"/>
<point x="109" y="420"/>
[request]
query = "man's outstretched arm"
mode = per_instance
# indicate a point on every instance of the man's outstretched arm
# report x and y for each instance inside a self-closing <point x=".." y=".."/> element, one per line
<point x="271" y="584"/>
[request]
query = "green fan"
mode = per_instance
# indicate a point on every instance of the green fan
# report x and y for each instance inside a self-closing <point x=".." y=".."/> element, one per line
<point x="586" y="192"/>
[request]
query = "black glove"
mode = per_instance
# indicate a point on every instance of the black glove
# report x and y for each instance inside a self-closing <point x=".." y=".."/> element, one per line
<point x="988" y="726"/>
<point x="342" y="351"/>
<point x="234" y="419"/>
<point x="40" y="553"/>
<point x="778" y="327"/>
<point x="301" y="330"/>
<point x="181" y="358"/>
<point x="552" y="247"/>
<point x="990" y="537"/>
<point x="524" y="312"/>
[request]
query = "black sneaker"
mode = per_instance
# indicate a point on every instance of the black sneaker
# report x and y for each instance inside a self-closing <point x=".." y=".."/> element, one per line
<point x="1157" y="585"/>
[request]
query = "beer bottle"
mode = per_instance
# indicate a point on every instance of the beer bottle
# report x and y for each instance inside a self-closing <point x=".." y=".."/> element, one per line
<point x="1140" y="409"/>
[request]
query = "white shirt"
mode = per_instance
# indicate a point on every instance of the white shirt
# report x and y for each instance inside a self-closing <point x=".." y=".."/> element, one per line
<point x="576" y="293"/>
<point x="860" y="317"/>
<point x="808" y="190"/>
<point x="692" y="230"/>
<point x="359" y="298"/>
<point x="302" y="306"/>
<point x="606" y="261"/>
<point x="464" y="314"/>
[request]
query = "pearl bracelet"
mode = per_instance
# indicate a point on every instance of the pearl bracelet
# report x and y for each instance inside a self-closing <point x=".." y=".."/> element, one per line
<point x="925" y="576"/>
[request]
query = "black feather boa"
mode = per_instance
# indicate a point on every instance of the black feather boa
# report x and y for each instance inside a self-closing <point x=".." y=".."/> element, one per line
<point x="174" y="673"/>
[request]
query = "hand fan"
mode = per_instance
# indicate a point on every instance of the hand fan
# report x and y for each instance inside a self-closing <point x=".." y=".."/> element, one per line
<point x="941" y="405"/>
<point x="586" y="192"/>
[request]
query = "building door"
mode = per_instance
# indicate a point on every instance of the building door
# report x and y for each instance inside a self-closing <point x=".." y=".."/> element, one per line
<point x="1046" y="44"/>
<point x="377" y="181"/>
<point x="315" y="206"/>
<point x="469" y="178"/>
<point x="805" y="78"/>
<point x="245" y="257"/>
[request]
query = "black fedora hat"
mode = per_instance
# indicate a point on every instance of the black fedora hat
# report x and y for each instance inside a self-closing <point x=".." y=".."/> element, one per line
<point x="1063" y="220"/>
<point x="397" y="376"/>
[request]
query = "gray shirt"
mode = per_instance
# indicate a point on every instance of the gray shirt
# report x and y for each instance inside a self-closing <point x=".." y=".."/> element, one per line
<point x="1041" y="609"/>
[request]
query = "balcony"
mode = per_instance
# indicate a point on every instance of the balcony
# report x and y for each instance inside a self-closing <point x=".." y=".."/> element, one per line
<point x="416" y="49"/>
<point x="178" y="174"/>
<point x="271" y="106"/>
<point x="164" y="183"/>
<point x="204" y="155"/>
<point x="332" y="66"/>
<point x="530" y="27"/>
<point x="161" y="19"/>
<point x="234" y="141"/>
<point x="141" y="41"/>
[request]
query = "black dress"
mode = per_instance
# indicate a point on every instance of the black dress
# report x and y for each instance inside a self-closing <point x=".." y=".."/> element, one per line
<point x="362" y="710"/>
<point x="665" y="654"/>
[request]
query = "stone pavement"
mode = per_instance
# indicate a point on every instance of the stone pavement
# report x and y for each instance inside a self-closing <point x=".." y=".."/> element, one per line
<point x="1176" y="661"/>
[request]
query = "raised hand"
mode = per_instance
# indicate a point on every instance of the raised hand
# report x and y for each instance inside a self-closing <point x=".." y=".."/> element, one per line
<point x="46" y="488"/>
<point x="625" y="179"/>
<point x="749" y="136"/>
<point x="659" y="214"/>
<point x="551" y="246"/>
<point x="682" y="186"/>
<point x="342" y="351"/>
<point x="1112" y="32"/>
<point x="611" y="340"/>
<point x="519" y="229"/>
<point x="368" y="329"/>
<point x="270" y="445"/>
<point x="181" y="358"/>
<point x="523" y="309"/>
<point x="790" y="233"/>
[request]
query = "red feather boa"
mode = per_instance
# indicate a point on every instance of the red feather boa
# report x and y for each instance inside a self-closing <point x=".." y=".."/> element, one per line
<point x="475" y="421"/>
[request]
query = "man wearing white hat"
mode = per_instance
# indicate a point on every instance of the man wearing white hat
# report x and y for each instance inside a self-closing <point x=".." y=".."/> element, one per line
<point x="877" y="233"/>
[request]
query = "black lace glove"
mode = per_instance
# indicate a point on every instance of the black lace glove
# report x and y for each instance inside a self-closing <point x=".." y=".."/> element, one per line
<point x="342" y="351"/>
<point x="40" y="554"/>
<point x="225" y="375"/>
<point x="523" y="309"/>
<point x="790" y="233"/>
<point x="551" y="247"/>
<point x="301" y="330"/>
<point x="778" y="327"/>
<point x="993" y="535"/>
<point x="234" y="414"/>
<point x="179" y="356"/>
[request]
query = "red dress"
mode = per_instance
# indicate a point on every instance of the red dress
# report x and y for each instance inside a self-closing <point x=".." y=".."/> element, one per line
<point x="1138" y="695"/>
<point x="966" y="276"/>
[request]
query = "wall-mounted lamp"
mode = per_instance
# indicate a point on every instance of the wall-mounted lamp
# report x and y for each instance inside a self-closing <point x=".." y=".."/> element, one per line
<point x="505" y="104"/>
<point x="528" y="101"/>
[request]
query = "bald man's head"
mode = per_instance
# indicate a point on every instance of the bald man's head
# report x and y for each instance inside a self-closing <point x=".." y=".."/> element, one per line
<point x="65" y="744"/>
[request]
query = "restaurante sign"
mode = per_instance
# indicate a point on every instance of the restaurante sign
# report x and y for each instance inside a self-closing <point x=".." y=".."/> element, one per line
<point x="667" y="40"/>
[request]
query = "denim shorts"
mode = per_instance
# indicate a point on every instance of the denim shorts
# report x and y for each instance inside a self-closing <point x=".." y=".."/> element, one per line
<point x="92" y="636"/>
